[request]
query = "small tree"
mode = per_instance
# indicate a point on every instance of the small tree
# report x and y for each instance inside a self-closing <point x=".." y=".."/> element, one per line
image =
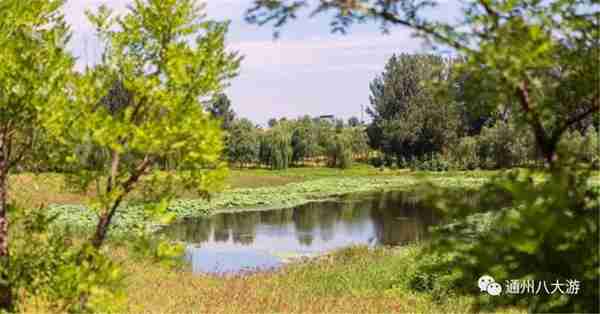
<point x="164" y="75"/>
<point x="339" y="150"/>
<point x="34" y="62"/>
<point x="220" y="108"/>
<point x="304" y="139"/>
<point x="242" y="142"/>
<point x="276" y="147"/>
<point x="353" y="122"/>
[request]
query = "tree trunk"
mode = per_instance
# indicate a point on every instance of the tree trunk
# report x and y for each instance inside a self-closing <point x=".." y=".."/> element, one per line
<point x="6" y="301"/>
<point x="101" y="230"/>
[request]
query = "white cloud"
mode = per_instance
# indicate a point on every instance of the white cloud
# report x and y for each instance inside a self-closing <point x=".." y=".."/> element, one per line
<point x="307" y="71"/>
<point x="324" y="52"/>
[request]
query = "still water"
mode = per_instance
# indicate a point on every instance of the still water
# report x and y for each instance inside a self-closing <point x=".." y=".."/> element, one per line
<point x="257" y="240"/>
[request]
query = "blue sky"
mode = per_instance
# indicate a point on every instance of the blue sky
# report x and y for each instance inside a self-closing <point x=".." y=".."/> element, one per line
<point x="307" y="70"/>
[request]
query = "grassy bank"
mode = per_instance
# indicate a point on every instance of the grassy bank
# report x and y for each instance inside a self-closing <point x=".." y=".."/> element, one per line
<point x="354" y="280"/>
<point x="33" y="190"/>
<point x="282" y="196"/>
<point x="248" y="189"/>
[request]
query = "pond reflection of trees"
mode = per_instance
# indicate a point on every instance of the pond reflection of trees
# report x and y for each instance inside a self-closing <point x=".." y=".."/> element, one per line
<point x="396" y="218"/>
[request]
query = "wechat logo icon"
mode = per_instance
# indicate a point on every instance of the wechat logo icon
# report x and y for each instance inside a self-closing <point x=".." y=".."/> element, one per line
<point x="488" y="284"/>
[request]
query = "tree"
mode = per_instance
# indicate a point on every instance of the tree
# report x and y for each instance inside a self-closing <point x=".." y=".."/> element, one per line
<point x="339" y="149"/>
<point x="408" y="119"/>
<point x="167" y="58"/>
<point x="540" y="59"/>
<point x="276" y="146"/>
<point x="359" y="142"/>
<point x="304" y="139"/>
<point x="272" y="122"/>
<point x="221" y="109"/>
<point x="34" y="62"/>
<point x="242" y="142"/>
<point x="353" y="122"/>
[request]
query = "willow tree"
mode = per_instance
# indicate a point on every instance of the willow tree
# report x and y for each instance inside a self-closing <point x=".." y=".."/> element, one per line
<point x="540" y="58"/>
<point x="276" y="148"/>
<point x="167" y="60"/>
<point x="32" y="49"/>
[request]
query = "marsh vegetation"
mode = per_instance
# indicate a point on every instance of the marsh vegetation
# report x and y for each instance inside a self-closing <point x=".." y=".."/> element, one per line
<point x="483" y="162"/>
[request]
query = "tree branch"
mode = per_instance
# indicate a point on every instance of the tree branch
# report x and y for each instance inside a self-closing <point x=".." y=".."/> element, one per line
<point x="593" y="109"/>
<point x="546" y="144"/>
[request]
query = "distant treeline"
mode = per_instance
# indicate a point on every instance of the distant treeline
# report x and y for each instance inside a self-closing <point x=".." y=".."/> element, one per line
<point x="424" y="115"/>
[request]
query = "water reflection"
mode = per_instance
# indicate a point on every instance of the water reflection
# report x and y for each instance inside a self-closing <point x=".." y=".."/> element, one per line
<point x="233" y="241"/>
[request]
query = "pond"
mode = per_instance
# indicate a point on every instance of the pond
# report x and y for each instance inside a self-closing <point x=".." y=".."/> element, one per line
<point x="259" y="240"/>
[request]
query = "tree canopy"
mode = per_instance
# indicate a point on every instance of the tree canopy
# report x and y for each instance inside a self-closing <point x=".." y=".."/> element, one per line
<point x="539" y="58"/>
<point x="163" y="58"/>
<point x="34" y="62"/>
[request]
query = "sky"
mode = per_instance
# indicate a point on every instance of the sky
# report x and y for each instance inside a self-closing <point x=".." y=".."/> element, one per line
<point x="307" y="70"/>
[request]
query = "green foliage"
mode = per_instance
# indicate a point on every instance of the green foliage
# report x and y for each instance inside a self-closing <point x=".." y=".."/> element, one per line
<point x="158" y="249"/>
<point x="583" y="148"/>
<point x="433" y="162"/>
<point x="276" y="146"/>
<point x="142" y="104"/>
<point x="501" y="145"/>
<point x="504" y="146"/>
<point x="33" y="40"/>
<point x="243" y="142"/>
<point x="47" y="266"/>
<point x="340" y="150"/>
<point x="34" y="64"/>
<point x="305" y="139"/>
<point x="409" y="120"/>
<point x="544" y="231"/>
<point x="220" y="108"/>
<point x="465" y="155"/>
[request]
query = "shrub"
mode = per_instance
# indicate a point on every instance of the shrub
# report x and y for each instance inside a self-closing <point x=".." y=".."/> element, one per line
<point x="47" y="266"/>
<point x="340" y="151"/>
<point x="547" y="232"/>
<point x="583" y="148"/>
<point x="376" y="161"/>
<point x="432" y="162"/>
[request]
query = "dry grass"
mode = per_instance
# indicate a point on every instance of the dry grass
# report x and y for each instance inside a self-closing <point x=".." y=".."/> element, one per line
<point x="352" y="281"/>
<point x="36" y="190"/>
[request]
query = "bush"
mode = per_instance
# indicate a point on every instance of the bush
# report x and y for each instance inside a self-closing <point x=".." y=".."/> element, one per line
<point x="48" y="269"/>
<point x="499" y="146"/>
<point x="376" y="161"/>
<point x="583" y="148"/>
<point x="432" y="162"/>
<point x="504" y="146"/>
<point x="547" y="232"/>
<point x="465" y="155"/>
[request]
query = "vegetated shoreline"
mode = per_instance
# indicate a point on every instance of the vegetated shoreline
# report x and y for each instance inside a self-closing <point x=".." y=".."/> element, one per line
<point x="137" y="217"/>
<point x="254" y="199"/>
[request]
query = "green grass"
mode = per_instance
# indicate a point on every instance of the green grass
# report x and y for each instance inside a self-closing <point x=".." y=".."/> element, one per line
<point x="249" y="189"/>
<point x="353" y="280"/>
<point x="283" y="196"/>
